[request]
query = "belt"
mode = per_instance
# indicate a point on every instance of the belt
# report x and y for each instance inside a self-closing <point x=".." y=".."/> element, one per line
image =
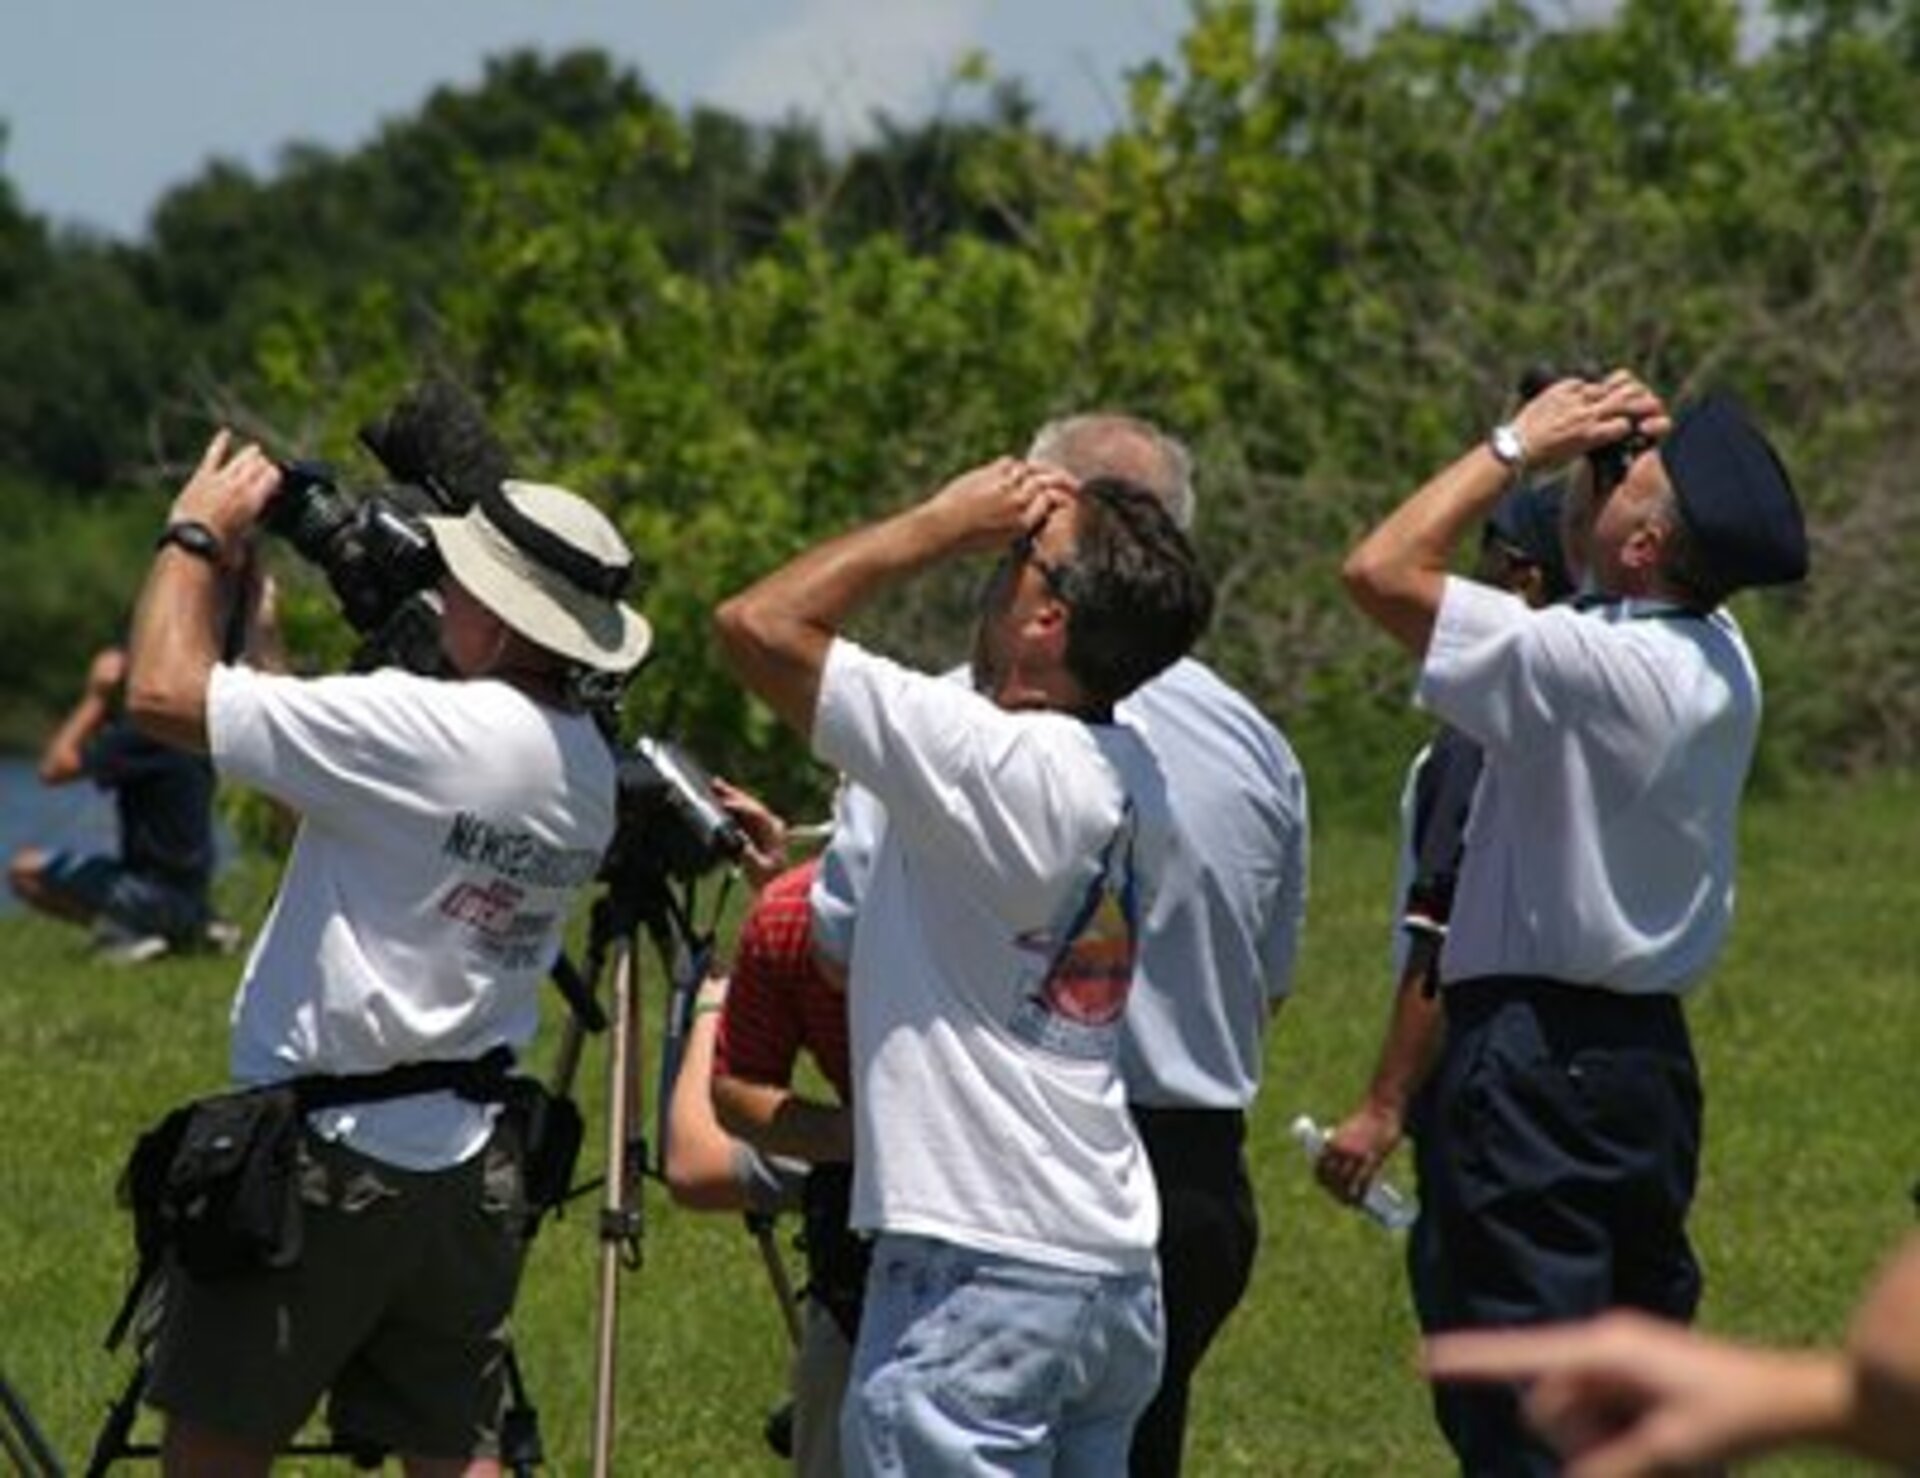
<point x="1474" y="1000"/>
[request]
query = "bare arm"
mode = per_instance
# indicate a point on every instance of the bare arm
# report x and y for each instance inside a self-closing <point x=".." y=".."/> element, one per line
<point x="1360" y="1145"/>
<point x="177" y="625"/>
<point x="63" y="760"/>
<point x="1626" y="1394"/>
<point x="775" y="634"/>
<point x="699" y="1163"/>
<point x="1397" y="573"/>
<point x="779" y="1121"/>
<point x="1885" y="1349"/>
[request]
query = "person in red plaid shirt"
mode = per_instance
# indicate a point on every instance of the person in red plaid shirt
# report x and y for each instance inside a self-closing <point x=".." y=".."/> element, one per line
<point x="779" y="1004"/>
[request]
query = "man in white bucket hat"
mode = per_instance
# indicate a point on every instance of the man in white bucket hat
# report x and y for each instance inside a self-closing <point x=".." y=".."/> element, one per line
<point x="552" y="568"/>
<point x="448" y="825"/>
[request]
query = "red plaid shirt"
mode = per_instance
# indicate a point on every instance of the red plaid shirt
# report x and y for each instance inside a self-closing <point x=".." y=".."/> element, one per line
<point x="778" y="1002"/>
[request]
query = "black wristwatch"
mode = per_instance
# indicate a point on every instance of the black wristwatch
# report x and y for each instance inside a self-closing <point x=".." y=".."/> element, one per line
<point x="194" y="537"/>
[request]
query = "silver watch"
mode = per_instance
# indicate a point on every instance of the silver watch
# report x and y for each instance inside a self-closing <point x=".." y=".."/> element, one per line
<point x="1508" y="446"/>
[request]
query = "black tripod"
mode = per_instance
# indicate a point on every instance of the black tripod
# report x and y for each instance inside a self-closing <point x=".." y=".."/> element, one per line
<point x="21" y="1440"/>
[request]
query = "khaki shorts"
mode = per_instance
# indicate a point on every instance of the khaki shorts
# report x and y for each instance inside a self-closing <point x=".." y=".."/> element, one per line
<point x="397" y="1310"/>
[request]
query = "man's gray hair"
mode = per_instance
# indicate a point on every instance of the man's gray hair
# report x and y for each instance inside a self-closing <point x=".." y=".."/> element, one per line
<point x="1106" y="444"/>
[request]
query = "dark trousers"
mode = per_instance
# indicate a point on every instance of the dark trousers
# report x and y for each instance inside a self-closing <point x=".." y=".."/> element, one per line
<point x="1557" y="1157"/>
<point x="1209" y="1229"/>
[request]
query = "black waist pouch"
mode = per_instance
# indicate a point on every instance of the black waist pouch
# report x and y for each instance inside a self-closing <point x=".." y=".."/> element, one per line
<point x="218" y="1182"/>
<point x="549" y="1130"/>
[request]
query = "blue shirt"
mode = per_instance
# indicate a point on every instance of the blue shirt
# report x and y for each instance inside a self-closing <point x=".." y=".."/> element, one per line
<point x="1224" y="926"/>
<point x="164" y="797"/>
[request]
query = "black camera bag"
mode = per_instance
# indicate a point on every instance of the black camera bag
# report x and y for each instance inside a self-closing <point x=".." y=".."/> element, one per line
<point x="837" y="1256"/>
<point x="230" y="1201"/>
<point x="550" y="1132"/>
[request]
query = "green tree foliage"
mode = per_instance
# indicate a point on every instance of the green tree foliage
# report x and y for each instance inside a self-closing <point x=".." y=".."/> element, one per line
<point x="77" y="364"/>
<point x="1321" y="251"/>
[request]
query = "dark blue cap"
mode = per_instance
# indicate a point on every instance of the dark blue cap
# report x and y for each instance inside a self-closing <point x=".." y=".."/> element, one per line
<point x="1735" y="496"/>
<point x="1527" y="520"/>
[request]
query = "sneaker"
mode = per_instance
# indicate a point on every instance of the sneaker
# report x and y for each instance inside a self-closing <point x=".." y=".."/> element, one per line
<point x="223" y="937"/>
<point x="130" y="949"/>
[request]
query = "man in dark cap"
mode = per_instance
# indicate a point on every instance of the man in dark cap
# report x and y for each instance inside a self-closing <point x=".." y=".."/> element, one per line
<point x="1521" y="551"/>
<point x="1597" y="885"/>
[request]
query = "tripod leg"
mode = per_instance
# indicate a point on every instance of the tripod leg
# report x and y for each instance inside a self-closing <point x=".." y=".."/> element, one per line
<point x="111" y="1444"/>
<point x="619" y="1215"/>
<point x="762" y="1229"/>
<point x="23" y="1442"/>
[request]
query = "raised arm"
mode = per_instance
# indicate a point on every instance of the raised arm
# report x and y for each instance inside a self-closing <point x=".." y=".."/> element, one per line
<point x="64" y="759"/>
<point x="1397" y="573"/>
<point x="776" y="633"/>
<point x="177" y="626"/>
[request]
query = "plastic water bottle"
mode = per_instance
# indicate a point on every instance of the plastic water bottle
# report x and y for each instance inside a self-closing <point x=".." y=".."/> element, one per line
<point x="1382" y="1203"/>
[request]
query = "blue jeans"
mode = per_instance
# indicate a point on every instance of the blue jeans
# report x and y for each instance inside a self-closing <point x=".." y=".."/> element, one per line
<point x="973" y="1363"/>
<point x="137" y="902"/>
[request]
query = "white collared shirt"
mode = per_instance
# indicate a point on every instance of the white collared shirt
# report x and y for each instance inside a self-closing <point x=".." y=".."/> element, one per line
<point x="1601" y="846"/>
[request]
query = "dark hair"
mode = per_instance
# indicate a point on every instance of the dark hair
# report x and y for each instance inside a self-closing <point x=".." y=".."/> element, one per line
<point x="1136" y="596"/>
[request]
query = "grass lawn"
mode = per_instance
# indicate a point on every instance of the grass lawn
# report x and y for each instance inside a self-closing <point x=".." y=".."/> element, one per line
<point x="1806" y="1035"/>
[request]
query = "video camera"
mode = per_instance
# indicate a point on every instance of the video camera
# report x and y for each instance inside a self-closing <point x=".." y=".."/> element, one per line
<point x="373" y="547"/>
<point x="384" y="567"/>
<point x="666" y="797"/>
<point x="1609" y="463"/>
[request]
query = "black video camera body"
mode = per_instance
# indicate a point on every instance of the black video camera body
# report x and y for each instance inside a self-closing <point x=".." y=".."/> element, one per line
<point x="376" y="554"/>
<point x="670" y="824"/>
<point x="384" y="567"/>
<point x="374" y="548"/>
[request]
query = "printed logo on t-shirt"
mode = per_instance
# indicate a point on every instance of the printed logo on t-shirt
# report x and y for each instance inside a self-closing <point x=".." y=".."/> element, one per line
<point x="495" y="910"/>
<point x="518" y="854"/>
<point x="1076" y="1007"/>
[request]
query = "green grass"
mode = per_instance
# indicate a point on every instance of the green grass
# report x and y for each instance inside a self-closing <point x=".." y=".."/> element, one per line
<point x="1806" y="1033"/>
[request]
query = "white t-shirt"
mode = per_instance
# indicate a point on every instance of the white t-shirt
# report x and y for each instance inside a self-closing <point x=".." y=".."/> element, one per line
<point x="992" y="965"/>
<point x="446" y="828"/>
<point x="1218" y="945"/>
<point x="1600" y="849"/>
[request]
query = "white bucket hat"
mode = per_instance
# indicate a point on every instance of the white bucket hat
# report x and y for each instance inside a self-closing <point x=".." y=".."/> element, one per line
<point x="550" y="565"/>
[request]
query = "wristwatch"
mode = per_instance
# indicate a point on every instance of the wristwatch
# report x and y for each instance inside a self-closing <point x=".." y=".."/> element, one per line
<point x="1509" y="448"/>
<point x="194" y="537"/>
